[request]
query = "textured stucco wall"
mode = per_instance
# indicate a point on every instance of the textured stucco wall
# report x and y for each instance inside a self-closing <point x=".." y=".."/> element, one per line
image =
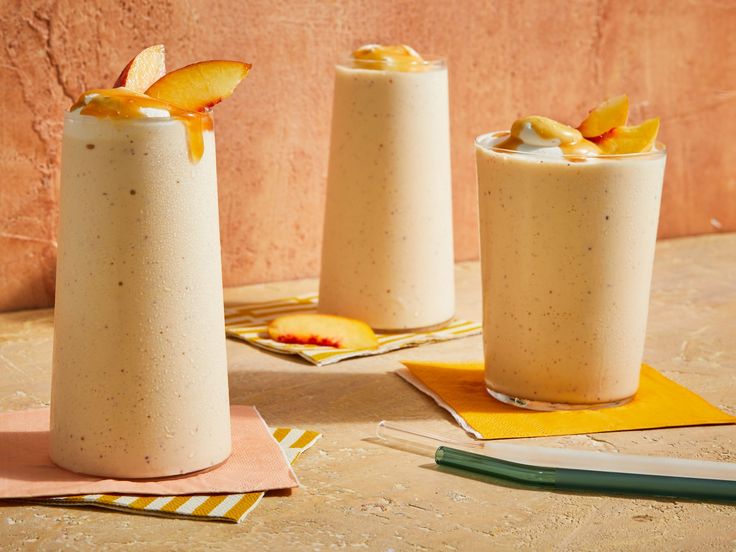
<point x="673" y="57"/>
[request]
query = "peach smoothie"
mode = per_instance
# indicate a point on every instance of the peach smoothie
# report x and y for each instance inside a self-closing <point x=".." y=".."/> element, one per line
<point x="387" y="251"/>
<point x="567" y="247"/>
<point x="139" y="384"/>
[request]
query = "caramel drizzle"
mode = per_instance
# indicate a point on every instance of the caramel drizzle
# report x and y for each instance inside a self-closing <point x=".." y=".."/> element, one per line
<point x="571" y="142"/>
<point x="576" y="151"/>
<point x="120" y="103"/>
<point x="396" y="57"/>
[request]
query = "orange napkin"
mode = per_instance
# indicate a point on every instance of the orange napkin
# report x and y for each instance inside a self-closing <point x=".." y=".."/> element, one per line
<point x="257" y="463"/>
<point x="460" y="389"/>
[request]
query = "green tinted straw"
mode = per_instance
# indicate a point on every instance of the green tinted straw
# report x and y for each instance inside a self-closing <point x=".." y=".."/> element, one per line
<point x="588" y="480"/>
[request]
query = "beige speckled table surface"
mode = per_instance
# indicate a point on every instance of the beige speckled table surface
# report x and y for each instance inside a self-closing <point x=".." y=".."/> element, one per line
<point x="358" y="494"/>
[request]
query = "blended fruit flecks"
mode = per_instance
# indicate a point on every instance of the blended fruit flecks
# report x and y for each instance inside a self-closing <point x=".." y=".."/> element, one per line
<point x="387" y="249"/>
<point x="139" y="385"/>
<point x="568" y="222"/>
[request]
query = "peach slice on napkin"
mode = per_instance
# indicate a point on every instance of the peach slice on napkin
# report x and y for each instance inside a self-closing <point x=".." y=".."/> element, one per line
<point x="611" y="113"/>
<point x="144" y="69"/>
<point x="629" y="139"/>
<point x="201" y="85"/>
<point x="323" y="329"/>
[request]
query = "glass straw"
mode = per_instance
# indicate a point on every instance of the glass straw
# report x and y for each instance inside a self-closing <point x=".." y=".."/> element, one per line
<point x="577" y="470"/>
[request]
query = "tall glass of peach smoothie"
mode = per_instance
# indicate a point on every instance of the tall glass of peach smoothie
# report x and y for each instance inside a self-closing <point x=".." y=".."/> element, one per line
<point x="568" y="227"/>
<point x="387" y="250"/>
<point x="139" y="385"/>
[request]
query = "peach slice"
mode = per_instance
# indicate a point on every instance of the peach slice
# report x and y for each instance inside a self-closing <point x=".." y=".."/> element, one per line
<point x="611" y="113"/>
<point x="629" y="139"/>
<point x="323" y="329"/>
<point x="201" y="85"/>
<point x="144" y="69"/>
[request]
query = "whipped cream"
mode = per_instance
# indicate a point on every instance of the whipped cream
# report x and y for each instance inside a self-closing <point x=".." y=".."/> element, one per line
<point x="83" y="100"/>
<point x="530" y="138"/>
<point x="122" y="95"/>
<point x="154" y="112"/>
<point x="495" y="139"/>
<point x="547" y="137"/>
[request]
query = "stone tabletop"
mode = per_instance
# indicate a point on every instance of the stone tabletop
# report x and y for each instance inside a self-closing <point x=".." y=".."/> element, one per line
<point x="358" y="494"/>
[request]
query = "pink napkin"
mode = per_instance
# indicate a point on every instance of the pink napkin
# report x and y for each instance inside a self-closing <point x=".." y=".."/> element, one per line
<point x="257" y="463"/>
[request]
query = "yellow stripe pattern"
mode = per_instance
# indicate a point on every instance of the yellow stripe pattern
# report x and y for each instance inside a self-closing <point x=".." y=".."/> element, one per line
<point x="248" y="323"/>
<point x="233" y="508"/>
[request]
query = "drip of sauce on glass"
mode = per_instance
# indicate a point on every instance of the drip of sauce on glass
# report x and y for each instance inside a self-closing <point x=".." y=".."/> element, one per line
<point x="120" y="103"/>
<point x="396" y="57"/>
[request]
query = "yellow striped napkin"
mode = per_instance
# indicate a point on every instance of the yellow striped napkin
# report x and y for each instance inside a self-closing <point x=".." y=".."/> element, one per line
<point x="248" y="323"/>
<point x="233" y="508"/>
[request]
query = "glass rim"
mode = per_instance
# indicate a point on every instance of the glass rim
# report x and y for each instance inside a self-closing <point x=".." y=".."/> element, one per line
<point x="660" y="151"/>
<point x="78" y="116"/>
<point x="428" y="63"/>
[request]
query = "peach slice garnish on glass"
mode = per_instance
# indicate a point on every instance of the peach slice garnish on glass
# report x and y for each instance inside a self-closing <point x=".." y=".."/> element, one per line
<point x="610" y="114"/>
<point x="629" y="139"/>
<point x="201" y="85"/>
<point x="144" y="69"/>
<point x="323" y="329"/>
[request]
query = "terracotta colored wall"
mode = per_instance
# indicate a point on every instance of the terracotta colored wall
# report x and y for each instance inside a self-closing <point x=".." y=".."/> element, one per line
<point x="673" y="57"/>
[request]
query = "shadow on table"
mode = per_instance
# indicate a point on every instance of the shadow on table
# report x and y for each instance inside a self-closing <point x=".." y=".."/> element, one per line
<point x="306" y="398"/>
